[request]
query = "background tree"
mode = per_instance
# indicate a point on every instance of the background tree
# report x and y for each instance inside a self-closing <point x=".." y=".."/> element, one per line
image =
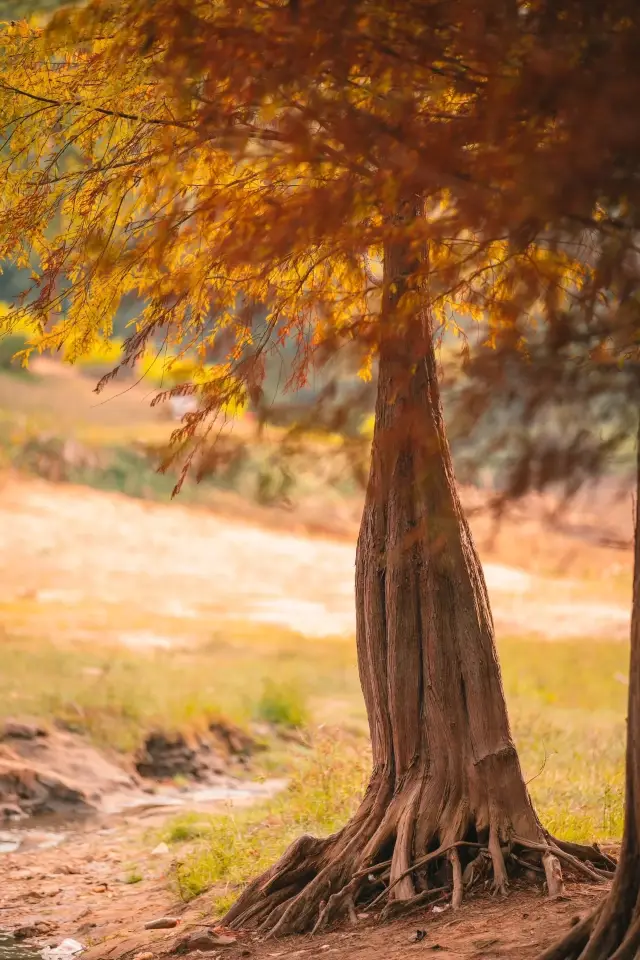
<point x="572" y="188"/>
<point x="247" y="153"/>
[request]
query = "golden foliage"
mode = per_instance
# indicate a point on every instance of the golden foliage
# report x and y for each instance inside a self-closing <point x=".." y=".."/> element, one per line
<point x="210" y="157"/>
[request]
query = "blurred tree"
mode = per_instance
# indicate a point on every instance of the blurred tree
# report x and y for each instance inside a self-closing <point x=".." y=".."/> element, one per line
<point x="338" y="162"/>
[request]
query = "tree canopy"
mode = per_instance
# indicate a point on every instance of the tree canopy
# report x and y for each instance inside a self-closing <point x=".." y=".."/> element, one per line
<point x="206" y="157"/>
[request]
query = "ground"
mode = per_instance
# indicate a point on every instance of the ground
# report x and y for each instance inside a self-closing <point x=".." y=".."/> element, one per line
<point x="120" y="614"/>
<point x="94" y="898"/>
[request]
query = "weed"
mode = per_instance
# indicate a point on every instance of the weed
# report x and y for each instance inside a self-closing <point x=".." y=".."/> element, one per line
<point x="282" y="705"/>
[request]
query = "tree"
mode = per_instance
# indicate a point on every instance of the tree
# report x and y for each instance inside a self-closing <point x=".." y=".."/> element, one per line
<point x="612" y="931"/>
<point x="242" y="152"/>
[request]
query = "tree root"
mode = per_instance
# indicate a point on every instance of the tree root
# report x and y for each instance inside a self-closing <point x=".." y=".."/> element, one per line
<point x="318" y="883"/>
<point x="402" y="908"/>
<point x="599" y="876"/>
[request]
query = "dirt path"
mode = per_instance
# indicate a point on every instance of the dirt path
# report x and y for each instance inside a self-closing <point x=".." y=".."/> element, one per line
<point x="85" y="563"/>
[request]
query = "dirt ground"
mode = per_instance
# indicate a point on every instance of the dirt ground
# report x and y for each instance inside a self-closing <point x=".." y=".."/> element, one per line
<point x="87" y="563"/>
<point x="86" y="895"/>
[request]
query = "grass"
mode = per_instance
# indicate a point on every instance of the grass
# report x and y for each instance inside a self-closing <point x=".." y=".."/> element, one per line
<point x="566" y="700"/>
<point x="323" y="792"/>
<point x="567" y="705"/>
<point x="282" y="706"/>
<point x="115" y="695"/>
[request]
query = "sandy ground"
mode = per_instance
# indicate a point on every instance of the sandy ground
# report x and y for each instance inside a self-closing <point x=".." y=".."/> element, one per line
<point x="85" y="563"/>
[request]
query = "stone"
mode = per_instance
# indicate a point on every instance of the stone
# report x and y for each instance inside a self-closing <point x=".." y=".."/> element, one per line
<point x="204" y="940"/>
<point x="20" y="730"/>
<point x="10" y="811"/>
<point x="162" y="923"/>
<point x="37" y="928"/>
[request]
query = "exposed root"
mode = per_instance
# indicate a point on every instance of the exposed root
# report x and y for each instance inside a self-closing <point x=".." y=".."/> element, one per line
<point x="500" y="886"/>
<point x="337" y="905"/>
<point x="402" y="908"/>
<point x="456" y="895"/>
<point x="477" y="869"/>
<point x="318" y="883"/>
<point x="597" y="875"/>
<point x="553" y="873"/>
<point x="587" y="853"/>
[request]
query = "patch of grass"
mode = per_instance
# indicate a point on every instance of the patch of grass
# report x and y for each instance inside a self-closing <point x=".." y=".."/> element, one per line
<point x="133" y="877"/>
<point x="323" y="792"/>
<point x="115" y="695"/>
<point x="567" y="705"/>
<point x="282" y="705"/>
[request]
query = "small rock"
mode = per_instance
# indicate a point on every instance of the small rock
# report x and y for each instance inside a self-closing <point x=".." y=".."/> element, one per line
<point x="144" y="956"/>
<point x="161" y="849"/>
<point x="100" y="888"/>
<point x="418" y="936"/>
<point x="66" y="869"/>
<point x="162" y="923"/>
<point x="36" y="929"/>
<point x="22" y="731"/>
<point x="8" y="811"/>
<point x="205" y="941"/>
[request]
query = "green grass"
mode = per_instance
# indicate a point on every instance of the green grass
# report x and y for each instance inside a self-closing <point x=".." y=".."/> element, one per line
<point x="115" y="695"/>
<point x="282" y="706"/>
<point x="323" y="792"/>
<point x="567" y="706"/>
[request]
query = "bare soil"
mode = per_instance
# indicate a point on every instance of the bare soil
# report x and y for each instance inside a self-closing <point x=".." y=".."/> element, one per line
<point x="85" y="895"/>
<point x="85" y="563"/>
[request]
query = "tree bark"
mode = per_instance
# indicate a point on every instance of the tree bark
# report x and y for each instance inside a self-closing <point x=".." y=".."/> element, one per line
<point x="447" y="803"/>
<point x="613" y="931"/>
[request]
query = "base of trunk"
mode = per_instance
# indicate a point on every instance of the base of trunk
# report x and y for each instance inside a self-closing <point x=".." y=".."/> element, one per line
<point x="409" y="846"/>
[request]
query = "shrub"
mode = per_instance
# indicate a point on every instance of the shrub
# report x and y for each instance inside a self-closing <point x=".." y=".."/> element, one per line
<point x="281" y="705"/>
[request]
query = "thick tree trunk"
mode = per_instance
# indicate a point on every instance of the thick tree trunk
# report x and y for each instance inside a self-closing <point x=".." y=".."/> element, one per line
<point x="613" y="931"/>
<point x="446" y="802"/>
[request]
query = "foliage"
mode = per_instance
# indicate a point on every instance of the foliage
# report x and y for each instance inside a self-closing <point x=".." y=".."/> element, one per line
<point x="281" y="705"/>
<point x="10" y="345"/>
<point x="283" y="190"/>
<point x="102" y="354"/>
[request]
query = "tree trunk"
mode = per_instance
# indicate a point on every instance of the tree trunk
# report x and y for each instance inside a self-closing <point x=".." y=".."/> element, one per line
<point x="612" y="932"/>
<point x="446" y="801"/>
